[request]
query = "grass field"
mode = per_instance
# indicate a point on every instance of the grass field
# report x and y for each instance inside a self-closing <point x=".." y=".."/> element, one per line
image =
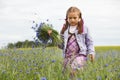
<point x="46" y="64"/>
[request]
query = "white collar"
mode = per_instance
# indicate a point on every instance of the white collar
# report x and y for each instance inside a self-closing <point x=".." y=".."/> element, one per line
<point x="72" y="29"/>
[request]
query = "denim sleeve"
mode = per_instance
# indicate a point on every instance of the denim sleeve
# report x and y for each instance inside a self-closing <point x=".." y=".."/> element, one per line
<point x="89" y="43"/>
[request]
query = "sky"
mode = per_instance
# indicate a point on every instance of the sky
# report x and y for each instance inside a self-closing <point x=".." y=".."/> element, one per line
<point x="101" y="16"/>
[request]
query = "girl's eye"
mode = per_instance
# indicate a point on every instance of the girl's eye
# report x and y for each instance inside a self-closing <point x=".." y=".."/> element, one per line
<point x="74" y="17"/>
<point x="70" y="17"/>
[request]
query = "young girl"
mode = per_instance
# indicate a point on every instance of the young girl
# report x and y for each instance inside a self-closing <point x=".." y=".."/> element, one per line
<point x="77" y="40"/>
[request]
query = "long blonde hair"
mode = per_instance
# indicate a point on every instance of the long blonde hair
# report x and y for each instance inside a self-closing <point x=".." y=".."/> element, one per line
<point x="80" y="23"/>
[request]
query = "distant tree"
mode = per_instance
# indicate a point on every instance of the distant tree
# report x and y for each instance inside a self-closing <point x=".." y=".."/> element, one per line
<point x="26" y="44"/>
<point x="19" y="44"/>
<point x="10" y="45"/>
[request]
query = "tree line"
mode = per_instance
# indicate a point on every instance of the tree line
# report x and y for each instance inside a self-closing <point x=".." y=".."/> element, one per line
<point x="22" y="44"/>
<point x="27" y="44"/>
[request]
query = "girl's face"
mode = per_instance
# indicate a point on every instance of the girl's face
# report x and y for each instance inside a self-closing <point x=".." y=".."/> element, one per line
<point x="73" y="18"/>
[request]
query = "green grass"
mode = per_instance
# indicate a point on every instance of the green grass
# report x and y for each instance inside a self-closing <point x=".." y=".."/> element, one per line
<point x="107" y="48"/>
<point x="37" y="64"/>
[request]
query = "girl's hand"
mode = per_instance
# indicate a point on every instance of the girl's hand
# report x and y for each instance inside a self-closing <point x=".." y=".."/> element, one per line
<point x="49" y="32"/>
<point x="92" y="56"/>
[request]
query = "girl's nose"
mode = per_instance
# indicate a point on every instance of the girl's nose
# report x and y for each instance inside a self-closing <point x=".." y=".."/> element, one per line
<point x="72" y="20"/>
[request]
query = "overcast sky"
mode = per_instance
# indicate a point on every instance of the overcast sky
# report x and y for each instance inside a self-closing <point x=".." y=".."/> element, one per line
<point x="101" y="16"/>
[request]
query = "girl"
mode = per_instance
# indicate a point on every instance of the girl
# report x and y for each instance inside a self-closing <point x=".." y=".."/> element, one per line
<point x="77" y="40"/>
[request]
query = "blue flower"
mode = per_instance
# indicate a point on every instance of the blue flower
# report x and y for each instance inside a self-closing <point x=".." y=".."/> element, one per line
<point x="47" y="20"/>
<point x="36" y="25"/>
<point x="33" y="21"/>
<point x="43" y="78"/>
<point x="106" y="65"/>
<point x="53" y="61"/>
<point x="37" y="34"/>
<point x="79" y="66"/>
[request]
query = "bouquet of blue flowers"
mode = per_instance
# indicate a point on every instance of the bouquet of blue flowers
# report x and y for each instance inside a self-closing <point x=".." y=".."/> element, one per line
<point x="43" y="35"/>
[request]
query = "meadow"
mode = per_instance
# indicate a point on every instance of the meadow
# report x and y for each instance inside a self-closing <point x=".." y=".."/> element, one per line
<point x="46" y="64"/>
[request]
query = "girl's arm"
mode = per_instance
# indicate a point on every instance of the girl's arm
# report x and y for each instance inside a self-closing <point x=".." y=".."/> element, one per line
<point x="90" y="45"/>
